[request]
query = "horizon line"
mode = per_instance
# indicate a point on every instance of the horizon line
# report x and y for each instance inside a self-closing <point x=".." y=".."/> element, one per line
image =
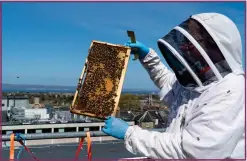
<point x="70" y="86"/>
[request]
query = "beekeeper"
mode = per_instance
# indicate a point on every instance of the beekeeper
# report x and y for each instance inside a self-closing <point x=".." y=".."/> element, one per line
<point x="204" y="93"/>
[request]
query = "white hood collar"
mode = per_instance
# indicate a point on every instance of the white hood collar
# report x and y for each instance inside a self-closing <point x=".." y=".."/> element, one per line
<point x="227" y="37"/>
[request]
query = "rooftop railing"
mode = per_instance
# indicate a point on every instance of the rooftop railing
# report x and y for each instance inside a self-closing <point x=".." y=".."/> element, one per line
<point x="40" y="136"/>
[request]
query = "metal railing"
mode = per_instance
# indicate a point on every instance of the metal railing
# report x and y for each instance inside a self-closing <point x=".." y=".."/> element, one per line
<point x="41" y="136"/>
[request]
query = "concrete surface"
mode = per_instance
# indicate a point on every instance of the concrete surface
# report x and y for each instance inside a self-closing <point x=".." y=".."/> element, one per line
<point x="104" y="150"/>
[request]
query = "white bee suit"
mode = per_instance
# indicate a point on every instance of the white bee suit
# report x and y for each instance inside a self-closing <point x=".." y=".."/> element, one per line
<point x="206" y="121"/>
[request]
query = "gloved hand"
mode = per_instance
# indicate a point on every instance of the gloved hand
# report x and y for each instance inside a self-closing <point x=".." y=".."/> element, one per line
<point x="115" y="127"/>
<point x="142" y="50"/>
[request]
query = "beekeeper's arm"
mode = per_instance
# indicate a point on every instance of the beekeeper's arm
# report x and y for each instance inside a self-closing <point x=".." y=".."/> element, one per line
<point x="212" y="129"/>
<point x="161" y="76"/>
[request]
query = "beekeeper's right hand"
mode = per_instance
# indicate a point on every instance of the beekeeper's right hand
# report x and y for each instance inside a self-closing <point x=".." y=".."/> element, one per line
<point x="115" y="127"/>
<point x="142" y="50"/>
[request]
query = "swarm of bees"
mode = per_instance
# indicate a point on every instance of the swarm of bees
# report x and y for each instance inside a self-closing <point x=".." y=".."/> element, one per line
<point x="104" y="71"/>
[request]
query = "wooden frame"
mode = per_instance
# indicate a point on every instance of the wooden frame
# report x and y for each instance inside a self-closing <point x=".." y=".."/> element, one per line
<point x="74" y="110"/>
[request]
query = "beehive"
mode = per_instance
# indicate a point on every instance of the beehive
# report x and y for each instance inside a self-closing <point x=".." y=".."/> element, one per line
<point x="101" y="81"/>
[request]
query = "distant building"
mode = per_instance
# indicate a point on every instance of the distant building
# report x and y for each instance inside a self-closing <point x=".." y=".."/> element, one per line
<point x="81" y="117"/>
<point x="159" y="118"/>
<point x="12" y="101"/>
<point x="5" y="116"/>
<point x="15" y="101"/>
<point x="36" y="100"/>
<point x="64" y="112"/>
<point x="17" y="113"/>
<point x="23" y="113"/>
<point x="126" y="115"/>
<point x="39" y="114"/>
<point x="151" y="119"/>
<point x="50" y="110"/>
<point x="66" y="115"/>
<point x="144" y="120"/>
<point x="37" y="104"/>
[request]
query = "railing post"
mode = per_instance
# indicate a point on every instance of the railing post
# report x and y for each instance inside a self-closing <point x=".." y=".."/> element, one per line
<point x="100" y="138"/>
<point x="77" y="130"/>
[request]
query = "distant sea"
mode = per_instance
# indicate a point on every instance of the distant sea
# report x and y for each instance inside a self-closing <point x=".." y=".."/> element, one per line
<point x="73" y="91"/>
<point x="59" y="89"/>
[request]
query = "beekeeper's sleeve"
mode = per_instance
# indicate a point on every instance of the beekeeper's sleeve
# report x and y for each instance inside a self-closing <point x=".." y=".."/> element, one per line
<point x="160" y="75"/>
<point x="213" y="127"/>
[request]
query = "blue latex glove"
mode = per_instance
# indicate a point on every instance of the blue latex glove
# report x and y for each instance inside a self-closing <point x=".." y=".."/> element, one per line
<point x="115" y="127"/>
<point x="142" y="50"/>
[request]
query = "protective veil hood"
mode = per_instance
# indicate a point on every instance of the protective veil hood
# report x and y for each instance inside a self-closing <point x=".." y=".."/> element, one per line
<point x="203" y="50"/>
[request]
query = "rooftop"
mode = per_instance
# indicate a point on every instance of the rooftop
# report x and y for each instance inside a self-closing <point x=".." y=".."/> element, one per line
<point x="14" y="97"/>
<point x="103" y="150"/>
<point x="151" y="115"/>
<point x="127" y="115"/>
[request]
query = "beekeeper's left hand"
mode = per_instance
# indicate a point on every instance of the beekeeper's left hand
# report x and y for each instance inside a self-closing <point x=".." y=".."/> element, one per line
<point x="115" y="127"/>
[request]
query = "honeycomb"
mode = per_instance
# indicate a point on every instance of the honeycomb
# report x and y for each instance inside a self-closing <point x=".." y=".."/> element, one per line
<point x="99" y="94"/>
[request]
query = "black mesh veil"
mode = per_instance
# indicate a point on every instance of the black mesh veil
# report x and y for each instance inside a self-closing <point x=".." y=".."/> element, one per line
<point x="187" y="50"/>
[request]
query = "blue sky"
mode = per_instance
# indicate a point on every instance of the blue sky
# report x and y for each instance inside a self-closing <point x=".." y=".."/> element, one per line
<point x="47" y="43"/>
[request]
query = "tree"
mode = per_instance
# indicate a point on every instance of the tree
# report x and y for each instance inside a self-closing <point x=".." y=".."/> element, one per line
<point x="42" y="97"/>
<point x="155" y="97"/>
<point x="31" y="99"/>
<point x="46" y="97"/>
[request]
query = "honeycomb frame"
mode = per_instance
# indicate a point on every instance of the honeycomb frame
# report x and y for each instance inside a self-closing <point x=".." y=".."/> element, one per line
<point x="107" y="95"/>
